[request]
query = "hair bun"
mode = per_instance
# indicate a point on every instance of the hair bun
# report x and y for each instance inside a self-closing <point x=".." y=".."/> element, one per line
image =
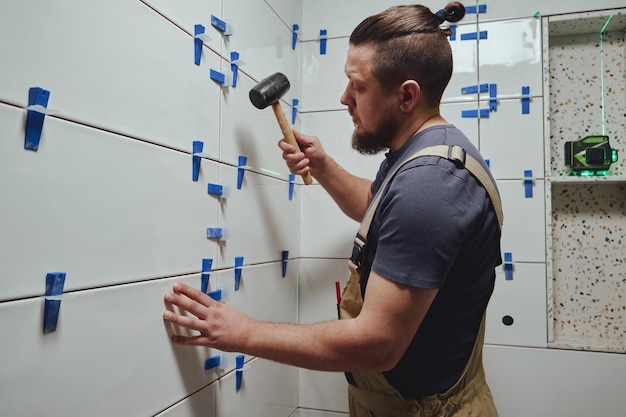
<point x="454" y="12"/>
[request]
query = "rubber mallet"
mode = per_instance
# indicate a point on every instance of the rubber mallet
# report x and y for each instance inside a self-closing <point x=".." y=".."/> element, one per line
<point x="268" y="93"/>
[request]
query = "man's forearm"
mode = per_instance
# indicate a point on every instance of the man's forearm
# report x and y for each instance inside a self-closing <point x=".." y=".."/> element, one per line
<point x="326" y="346"/>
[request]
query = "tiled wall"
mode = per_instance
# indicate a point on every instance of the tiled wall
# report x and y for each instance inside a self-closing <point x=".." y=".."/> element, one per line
<point x="108" y="199"/>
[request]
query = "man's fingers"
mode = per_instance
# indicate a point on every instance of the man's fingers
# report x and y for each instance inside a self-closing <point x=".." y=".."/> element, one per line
<point x="190" y="299"/>
<point x="286" y="147"/>
<point x="193" y="293"/>
<point x="185" y="321"/>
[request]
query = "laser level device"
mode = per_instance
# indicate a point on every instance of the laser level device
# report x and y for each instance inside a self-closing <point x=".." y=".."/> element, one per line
<point x="591" y="155"/>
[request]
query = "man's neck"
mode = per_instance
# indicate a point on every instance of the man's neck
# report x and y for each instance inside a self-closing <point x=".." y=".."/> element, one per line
<point x="414" y="124"/>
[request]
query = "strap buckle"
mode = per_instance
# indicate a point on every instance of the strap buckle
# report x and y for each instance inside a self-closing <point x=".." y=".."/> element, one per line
<point x="457" y="155"/>
<point x="357" y="250"/>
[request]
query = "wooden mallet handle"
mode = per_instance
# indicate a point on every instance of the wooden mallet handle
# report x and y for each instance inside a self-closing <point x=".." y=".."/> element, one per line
<point x="288" y="133"/>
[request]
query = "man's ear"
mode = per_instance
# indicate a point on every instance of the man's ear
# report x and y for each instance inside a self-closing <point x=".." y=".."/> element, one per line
<point x="410" y="95"/>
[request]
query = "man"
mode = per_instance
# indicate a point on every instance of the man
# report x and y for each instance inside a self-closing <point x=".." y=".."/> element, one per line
<point x="422" y="272"/>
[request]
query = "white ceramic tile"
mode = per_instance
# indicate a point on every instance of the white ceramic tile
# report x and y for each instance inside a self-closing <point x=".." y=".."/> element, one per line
<point x="103" y="208"/>
<point x="522" y="299"/>
<point x="340" y="18"/>
<point x="263" y="293"/>
<point x="323" y="76"/>
<point x="201" y="403"/>
<point x="288" y="11"/>
<point x="328" y="70"/>
<point x="512" y="141"/>
<point x="498" y="9"/>
<point x="523" y="232"/>
<point x="334" y="129"/>
<point x="317" y="303"/>
<point x="511" y="57"/>
<point x="550" y="382"/>
<point x="333" y="240"/>
<point x="258" y="397"/>
<point x="453" y="113"/>
<point x="464" y="64"/>
<point x="186" y="14"/>
<point x="323" y="390"/>
<point x="262" y="39"/>
<point x="258" y="220"/>
<point x="118" y="65"/>
<point x="317" y="297"/>
<point x="110" y="354"/>
<point x="252" y="132"/>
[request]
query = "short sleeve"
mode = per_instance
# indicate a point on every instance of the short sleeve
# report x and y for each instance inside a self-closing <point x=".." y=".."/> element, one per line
<point x="424" y="219"/>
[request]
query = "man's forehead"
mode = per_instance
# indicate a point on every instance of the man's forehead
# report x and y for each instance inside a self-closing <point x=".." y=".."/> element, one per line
<point x="360" y="60"/>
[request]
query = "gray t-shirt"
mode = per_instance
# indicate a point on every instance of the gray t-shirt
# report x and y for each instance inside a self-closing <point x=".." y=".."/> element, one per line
<point x="435" y="227"/>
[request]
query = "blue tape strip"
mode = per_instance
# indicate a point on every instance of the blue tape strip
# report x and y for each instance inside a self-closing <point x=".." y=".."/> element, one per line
<point x="292" y="179"/>
<point x="214" y="232"/>
<point x="508" y="266"/>
<point x="212" y="362"/>
<point x="294" y="35"/>
<point x="452" y="37"/>
<point x="197" y="43"/>
<point x="525" y="100"/>
<point x="488" y="162"/>
<point x="474" y="35"/>
<point x="54" y="287"/>
<point x="473" y="114"/>
<point x="481" y="8"/>
<point x="239" y="360"/>
<point x="34" y="119"/>
<point x="216" y="294"/>
<point x="196" y="147"/>
<point x="207" y="263"/>
<point x="234" y="56"/>
<point x="493" y="93"/>
<point x="284" y="256"/>
<point x="218" y="23"/>
<point x="242" y="161"/>
<point x="294" y="110"/>
<point x="215" y="189"/>
<point x="238" y="268"/>
<point x="323" y="39"/>
<point x="528" y="183"/>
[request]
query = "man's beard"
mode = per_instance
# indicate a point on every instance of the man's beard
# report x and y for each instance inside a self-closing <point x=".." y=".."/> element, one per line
<point x="371" y="143"/>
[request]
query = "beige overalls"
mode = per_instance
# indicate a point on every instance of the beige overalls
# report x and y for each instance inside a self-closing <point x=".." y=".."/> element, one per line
<point x="373" y="396"/>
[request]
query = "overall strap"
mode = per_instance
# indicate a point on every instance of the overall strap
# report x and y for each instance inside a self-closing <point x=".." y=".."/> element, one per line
<point x="453" y="153"/>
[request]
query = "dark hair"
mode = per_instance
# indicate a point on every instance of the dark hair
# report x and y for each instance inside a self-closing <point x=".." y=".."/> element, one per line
<point x="411" y="45"/>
